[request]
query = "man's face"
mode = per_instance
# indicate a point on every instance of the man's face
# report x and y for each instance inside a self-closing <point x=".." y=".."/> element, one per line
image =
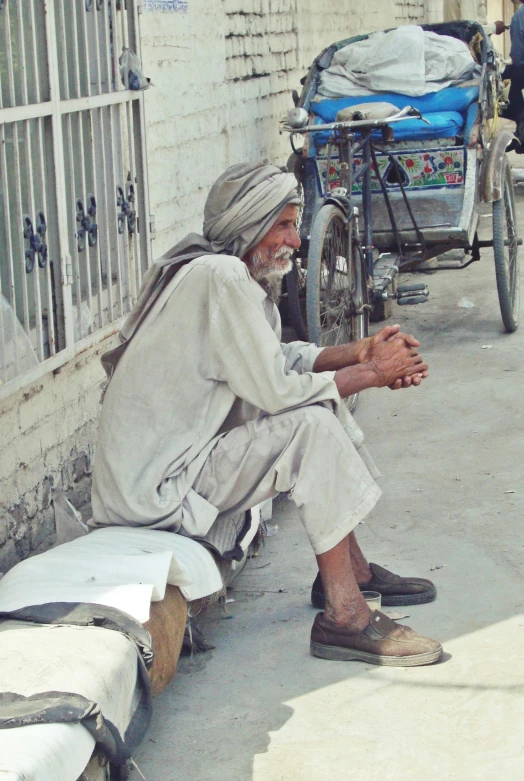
<point x="272" y="255"/>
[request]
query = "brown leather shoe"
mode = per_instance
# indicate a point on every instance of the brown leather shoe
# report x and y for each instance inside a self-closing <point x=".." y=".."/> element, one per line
<point x="382" y="642"/>
<point x="395" y="590"/>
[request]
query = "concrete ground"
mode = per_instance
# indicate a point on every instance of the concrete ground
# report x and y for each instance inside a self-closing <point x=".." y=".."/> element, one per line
<point x="260" y="708"/>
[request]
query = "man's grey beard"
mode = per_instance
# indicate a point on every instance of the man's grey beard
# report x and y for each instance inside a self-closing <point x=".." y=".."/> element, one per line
<point x="271" y="266"/>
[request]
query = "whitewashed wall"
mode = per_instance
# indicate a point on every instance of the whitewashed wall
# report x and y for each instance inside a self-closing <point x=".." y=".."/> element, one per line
<point x="223" y="74"/>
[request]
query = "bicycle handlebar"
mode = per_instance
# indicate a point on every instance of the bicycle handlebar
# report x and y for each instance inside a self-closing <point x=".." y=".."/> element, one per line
<point x="359" y="124"/>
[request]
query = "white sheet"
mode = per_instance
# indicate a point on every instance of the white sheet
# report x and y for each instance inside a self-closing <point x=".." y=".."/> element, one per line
<point x="407" y="60"/>
<point x="121" y="567"/>
<point x="44" y="752"/>
<point x="99" y="664"/>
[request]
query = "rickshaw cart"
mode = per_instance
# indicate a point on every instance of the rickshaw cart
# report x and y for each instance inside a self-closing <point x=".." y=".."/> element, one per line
<point x="384" y="196"/>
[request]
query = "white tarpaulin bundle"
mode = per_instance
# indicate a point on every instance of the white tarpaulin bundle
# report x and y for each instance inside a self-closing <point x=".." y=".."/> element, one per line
<point x="44" y="752"/>
<point x="119" y="567"/>
<point x="407" y="60"/>
<point x="85" y="663"/>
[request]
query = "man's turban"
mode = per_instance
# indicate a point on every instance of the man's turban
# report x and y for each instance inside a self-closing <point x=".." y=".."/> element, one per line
<point x="241" y="207"/>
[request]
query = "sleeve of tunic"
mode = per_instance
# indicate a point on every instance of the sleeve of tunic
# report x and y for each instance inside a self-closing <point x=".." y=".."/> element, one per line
<point x="300" y="356"/>
<point x="245" y="352"/>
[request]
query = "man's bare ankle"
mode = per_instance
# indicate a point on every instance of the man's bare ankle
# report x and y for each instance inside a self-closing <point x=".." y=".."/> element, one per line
<point x="362" y="575"/>
<point x="361" y="570"/>
<point x="354" y="621"/>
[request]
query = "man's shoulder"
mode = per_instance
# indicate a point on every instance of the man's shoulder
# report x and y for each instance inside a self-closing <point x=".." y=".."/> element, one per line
<point x="220" y="276"/>
<point x="223" y="267"/>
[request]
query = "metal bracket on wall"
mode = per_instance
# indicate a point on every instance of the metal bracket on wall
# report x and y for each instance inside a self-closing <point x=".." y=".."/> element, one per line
<point x="37" y="247"/>
<point x="86" y="223"/>
<point x="92" y="230"/>
<point x="131" y="213"/>
<point x="125" y="204"/>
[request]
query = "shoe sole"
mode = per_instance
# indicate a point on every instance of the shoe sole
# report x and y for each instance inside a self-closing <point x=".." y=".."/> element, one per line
<point x="338" y="654"/>
<point x="399" y="600"/>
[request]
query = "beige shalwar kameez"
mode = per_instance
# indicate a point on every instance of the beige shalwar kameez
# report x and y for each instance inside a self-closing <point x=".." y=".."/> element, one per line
<point x="471" y="10"/>
<point x="208" y="413"/>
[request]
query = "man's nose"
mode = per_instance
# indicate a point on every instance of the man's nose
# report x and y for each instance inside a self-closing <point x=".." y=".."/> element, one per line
<point x="294" y="239"/>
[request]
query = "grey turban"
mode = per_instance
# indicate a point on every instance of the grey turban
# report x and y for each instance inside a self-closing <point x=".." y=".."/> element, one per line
<point x="241" y="207"/>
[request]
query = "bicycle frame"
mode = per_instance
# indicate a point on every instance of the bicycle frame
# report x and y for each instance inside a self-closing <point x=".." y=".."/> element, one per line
<point x="349" y="144"/>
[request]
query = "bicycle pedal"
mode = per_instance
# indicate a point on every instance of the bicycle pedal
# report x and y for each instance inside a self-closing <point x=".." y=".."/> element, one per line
<point x="411" y="300"/>
<point x="413" y="288"/>
<point x="409" y="295"/>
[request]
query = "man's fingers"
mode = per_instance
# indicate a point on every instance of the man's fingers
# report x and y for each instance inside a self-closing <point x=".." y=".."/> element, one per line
<point x="417" y="368"/>
<point x="387" y="333"/>
<point x="409" y="381"/>
<point x="397" y="385"/>
<point x="410" y="340"/>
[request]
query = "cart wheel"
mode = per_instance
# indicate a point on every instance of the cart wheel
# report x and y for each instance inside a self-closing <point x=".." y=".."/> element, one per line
<point x="336" y="292"/>
<point x="505" y="248"/>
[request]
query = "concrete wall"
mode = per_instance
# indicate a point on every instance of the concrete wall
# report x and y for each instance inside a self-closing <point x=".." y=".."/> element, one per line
<point x="223" y="74"/>
<point x="47" y="431"/>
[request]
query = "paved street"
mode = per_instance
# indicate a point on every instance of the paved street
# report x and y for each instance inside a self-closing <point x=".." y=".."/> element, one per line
<point x="260" y="708"/>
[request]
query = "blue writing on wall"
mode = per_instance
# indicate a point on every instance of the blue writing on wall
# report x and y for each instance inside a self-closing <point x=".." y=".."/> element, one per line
<point x="179" y="6"/>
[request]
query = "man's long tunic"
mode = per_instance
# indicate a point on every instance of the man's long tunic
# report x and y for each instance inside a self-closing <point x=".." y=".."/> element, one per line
<point x="206" y="359"/>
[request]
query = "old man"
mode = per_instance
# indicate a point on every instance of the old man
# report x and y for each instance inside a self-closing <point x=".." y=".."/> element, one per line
<point x="207" y="414"/>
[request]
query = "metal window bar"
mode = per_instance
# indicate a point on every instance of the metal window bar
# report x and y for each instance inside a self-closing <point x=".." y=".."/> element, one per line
<point x="30" y="184"/>
<point x="119" y="43"/>
<point x="47" y="282"/>
<point x="143" y="212"/>
<point x="110" y="171"/>
<point x="9" y="356"/>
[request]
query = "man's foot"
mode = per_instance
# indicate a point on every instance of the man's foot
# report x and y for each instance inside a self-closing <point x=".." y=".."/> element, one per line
<point x="382" y="642"/>
<point x="395" y="590"/>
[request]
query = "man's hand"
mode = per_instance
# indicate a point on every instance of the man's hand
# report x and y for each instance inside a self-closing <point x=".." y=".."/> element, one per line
<point x="386" y="334"/>
<point x="409" y="382"/>
<point x="389" y="332"/>
<point x="500" y="28"/>
<point x="392" y="360"/>
<point x="353" y="362"/>
<point x="395" y="361"/>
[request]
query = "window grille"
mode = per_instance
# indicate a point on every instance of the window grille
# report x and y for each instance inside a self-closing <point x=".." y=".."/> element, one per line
<point x="74" y="212"/>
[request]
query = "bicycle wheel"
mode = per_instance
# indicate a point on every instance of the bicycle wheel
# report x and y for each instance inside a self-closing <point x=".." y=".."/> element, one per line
<point x="336" y="291"/>
<point x="334" y="285"/>
<point x="505" y="249"/>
